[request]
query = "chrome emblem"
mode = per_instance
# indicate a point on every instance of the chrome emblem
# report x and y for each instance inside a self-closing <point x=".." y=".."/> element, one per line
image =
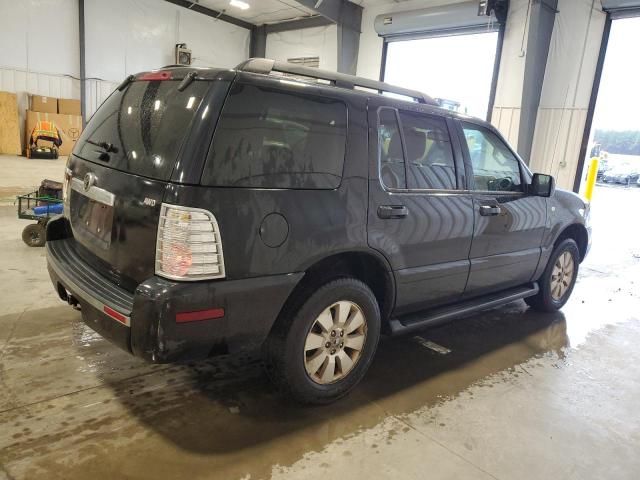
<point x="89" y="181"/>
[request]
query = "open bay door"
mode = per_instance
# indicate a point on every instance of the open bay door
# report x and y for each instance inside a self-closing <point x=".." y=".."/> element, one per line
<point x="451" y="52"/>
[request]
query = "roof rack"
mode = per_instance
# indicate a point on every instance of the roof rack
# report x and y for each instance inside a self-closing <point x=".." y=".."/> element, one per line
<point x="266" y="66"/>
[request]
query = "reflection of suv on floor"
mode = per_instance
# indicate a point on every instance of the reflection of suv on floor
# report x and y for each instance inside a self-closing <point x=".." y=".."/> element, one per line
<point x="211" y="210"/>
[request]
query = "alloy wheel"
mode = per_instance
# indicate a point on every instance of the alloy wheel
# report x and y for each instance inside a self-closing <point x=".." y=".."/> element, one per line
<point x="335" y="342"/>
<point x="562" y="275"/>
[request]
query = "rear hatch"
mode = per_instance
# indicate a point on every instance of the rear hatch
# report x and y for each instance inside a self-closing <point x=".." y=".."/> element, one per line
<point x="121" y="165"/>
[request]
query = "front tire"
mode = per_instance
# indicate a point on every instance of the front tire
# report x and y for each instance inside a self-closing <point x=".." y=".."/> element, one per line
<point x="321" y="352"/>
<point x="558" y="279"/>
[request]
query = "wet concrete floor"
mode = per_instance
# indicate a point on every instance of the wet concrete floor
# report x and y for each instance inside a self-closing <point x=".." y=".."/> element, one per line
<point x="505" y="394"/>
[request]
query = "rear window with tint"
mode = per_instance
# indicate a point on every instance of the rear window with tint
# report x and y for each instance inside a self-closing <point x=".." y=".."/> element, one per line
<point x="146" y="124"/>
<point x="267" y="138"/>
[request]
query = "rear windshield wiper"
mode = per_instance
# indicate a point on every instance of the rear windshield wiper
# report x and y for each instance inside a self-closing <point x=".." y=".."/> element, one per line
<point x="125" y="83"/>
<point x="187" y="80"/>
<point x="107" y="147"/>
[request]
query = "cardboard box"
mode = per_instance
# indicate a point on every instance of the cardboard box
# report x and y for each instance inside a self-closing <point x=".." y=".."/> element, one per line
<point x="43" y="104"/>
<point x="68" y="106"/>
<point x="70" y="127"/>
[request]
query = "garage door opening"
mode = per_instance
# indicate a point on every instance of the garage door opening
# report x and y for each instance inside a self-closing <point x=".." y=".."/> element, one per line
<point x="615" y="131"/>
<point x="458" y="70"/>
<point x="615" y="139"/>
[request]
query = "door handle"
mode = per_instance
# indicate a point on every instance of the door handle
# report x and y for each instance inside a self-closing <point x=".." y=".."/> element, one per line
<point x="490" y="210"/>
<point x="392" y="211"/>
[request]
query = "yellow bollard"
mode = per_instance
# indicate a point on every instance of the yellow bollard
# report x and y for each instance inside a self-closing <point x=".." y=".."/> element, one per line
<point x="591" y="178"/>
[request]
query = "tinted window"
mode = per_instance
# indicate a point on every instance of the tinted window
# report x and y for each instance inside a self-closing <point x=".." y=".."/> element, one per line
<point x="392" y="171"/>
<point x="430" y="163"/>
<point x="277" y="139"/>
<point x="495" y="168"/>
<point x="146" y="124"/>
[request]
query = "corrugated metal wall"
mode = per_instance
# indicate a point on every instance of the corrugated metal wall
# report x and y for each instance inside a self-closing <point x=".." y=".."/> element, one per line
<point x="571" y="67"/>
<point x="507" y="120"/>
<point x="505" y="115"/>
<point x="97" y="92"/>
<point x="556" y="143"/>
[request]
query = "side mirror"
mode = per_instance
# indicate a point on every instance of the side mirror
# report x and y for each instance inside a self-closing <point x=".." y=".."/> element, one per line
<point x="542" y="185"/>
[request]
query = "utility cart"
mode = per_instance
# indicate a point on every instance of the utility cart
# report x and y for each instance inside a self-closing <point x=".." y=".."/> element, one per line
<point x="39" y="206"/>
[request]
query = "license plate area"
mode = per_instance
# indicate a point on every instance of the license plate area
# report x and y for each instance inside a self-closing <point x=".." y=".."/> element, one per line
<point x="92" y="219"/>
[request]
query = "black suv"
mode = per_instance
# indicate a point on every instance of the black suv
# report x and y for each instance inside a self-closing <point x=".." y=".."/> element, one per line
<point x="301" y="211"/>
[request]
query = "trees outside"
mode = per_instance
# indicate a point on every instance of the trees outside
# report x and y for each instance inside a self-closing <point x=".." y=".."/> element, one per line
<point x="624" y="142"/>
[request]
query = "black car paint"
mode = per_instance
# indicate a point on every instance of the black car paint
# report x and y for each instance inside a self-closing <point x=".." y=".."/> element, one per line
<point x="441" y="252"/>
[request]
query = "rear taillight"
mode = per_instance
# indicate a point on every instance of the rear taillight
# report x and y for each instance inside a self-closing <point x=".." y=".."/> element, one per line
<point x="189" y="246"/>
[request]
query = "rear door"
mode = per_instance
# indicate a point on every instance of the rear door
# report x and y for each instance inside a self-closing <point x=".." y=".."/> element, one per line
<point x="418" y="218"/>
<point x="509" y="224"/>
<point x="122" y="164"/>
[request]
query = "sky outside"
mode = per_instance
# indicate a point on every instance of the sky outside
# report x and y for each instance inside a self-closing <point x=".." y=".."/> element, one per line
<point x="618" y="105"/>
<point x="457" y="68"/>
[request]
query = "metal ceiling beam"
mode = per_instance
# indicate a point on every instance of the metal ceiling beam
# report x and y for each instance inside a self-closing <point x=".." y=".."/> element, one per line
<point x="212" y="13"/>
<point x="258" y="42"/>
<point x="348" y="18"/>
<point x="308" y="22"/>
<point x="341" y="12"/>
<point x="348" y="47"/>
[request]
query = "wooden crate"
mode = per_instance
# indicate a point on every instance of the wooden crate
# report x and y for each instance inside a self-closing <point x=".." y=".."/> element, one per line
<point x="9" y="124"/>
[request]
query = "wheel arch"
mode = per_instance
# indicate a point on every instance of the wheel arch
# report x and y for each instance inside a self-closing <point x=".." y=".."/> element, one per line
<point x="578" y="233"/>
<point x="366" y="266"/>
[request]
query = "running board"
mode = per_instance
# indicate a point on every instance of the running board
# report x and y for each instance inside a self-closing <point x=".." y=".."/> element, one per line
<point x="416" y="321"/>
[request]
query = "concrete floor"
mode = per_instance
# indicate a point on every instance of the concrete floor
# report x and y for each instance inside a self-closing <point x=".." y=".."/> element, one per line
<point x="518" y="395"/>
<point x="21" y="175"/>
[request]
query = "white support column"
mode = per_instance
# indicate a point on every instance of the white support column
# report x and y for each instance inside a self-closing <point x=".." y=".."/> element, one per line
<point x="568" y="82"/>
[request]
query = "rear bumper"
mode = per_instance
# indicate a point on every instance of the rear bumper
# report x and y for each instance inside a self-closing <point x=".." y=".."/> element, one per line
<point x="144" y="322"/>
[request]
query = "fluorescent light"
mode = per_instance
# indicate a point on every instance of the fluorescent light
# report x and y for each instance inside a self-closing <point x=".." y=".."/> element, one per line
<point x="156" y="105"/>
<point x="239" y="4"/>
<point x="190" y="103"/>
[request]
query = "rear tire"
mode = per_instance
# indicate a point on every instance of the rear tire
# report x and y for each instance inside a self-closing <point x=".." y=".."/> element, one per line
<point x="321" y="351"/>
<point x="34" y="235"/>
<point x="558" y="279"/>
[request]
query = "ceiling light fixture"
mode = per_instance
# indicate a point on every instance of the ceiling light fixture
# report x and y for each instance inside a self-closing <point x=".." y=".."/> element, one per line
<point x="239" y="4"/>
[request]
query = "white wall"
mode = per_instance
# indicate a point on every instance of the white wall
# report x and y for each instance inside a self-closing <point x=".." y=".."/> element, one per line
<point x="40" y="51"/>
<point x="129" y="36"/>
<point x="310" y="42"/>
<point x="36" y="58"/>
<point x="571" y="67"/>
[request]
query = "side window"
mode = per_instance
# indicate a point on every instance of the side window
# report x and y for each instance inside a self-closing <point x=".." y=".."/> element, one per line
<point x="268" y="138"/>
<point x="392" y="172"/>
<point x="495" y="168"/>
<point x="430" y="163"/>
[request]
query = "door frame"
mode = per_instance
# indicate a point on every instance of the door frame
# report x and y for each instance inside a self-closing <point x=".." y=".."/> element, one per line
<point x="584" y="145"/>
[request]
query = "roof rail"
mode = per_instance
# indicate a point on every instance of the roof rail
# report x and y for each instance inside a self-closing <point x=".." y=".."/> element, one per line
<point x="266" y="66"/>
